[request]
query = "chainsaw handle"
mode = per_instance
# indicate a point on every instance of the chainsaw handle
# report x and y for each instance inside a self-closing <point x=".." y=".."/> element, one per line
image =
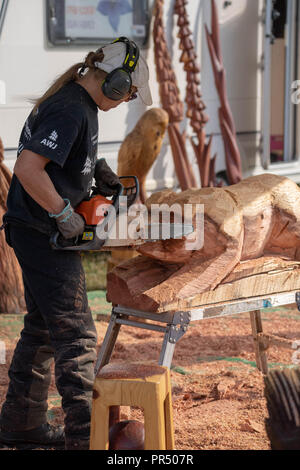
<point x="115" y="199"/>
<point x="57" y="242"/>
<point x="127" y="191"/>
<point x="119" y="192"/>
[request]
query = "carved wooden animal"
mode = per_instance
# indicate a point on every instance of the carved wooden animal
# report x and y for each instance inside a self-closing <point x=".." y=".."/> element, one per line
<point x="141" y="147"/>
<point x="257" y="217"/>
<point x="11" y="285"/>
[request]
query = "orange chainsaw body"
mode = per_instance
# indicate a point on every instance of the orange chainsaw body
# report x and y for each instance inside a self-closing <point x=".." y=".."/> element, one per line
<point x="94" y="210"/>
<point x="98" y="218"/>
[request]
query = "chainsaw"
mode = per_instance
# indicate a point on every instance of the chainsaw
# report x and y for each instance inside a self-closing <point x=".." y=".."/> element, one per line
<point x="98" y="216"/>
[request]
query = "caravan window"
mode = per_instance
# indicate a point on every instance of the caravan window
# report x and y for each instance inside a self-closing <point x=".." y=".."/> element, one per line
<point x="96" y="21"/>
<point x="281" y="117"/>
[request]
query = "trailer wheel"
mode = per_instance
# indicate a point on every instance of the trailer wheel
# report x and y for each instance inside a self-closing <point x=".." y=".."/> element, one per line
<point x="282" y="392"/>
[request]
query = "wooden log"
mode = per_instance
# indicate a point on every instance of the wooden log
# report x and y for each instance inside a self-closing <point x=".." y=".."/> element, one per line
<point x="125" y="286"/>
<point x="255" y="221"/>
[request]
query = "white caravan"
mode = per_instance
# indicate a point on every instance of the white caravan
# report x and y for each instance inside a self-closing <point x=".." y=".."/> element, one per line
<point x="39" y="39"/>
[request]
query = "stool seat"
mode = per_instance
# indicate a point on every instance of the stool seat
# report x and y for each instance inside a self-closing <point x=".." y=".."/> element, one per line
<point x="130" y="371"/>
<point x="134" y="384"/>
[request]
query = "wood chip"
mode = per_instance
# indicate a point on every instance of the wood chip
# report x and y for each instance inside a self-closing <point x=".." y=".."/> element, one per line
<point x="225" y="386"/>
<point x="251" y="426"/>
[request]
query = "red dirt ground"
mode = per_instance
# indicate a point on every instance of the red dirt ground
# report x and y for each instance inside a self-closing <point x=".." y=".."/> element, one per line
<point x="218" y="394"/>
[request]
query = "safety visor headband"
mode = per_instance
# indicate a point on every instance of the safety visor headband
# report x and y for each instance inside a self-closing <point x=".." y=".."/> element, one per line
<point x="132" y="54"/>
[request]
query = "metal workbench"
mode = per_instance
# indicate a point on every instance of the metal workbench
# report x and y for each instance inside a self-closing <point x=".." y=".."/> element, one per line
<point x="175" y="324"/>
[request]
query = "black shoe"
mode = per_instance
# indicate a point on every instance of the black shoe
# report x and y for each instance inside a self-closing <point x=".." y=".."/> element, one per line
<point x="75" y="443"/>
<point x="44" y="435"/>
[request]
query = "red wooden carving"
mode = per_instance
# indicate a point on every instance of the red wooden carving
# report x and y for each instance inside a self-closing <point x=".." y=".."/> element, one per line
<point x="232" y="154"/>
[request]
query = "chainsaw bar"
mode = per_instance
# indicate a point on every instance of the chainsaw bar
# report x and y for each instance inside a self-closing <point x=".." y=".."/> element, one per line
<point x="165" y="231"/>
<point x="98" y="224"/>
<point x="150" y="233"/>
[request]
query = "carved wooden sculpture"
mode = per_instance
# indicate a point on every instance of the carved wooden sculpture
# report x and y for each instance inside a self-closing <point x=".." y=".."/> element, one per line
<point x="232" y="154"/>
<point x="11" y="285"/>
<point x="142" y="146"/>
<point x="258" y="217"/>
<point x="195" y="105"/>
<point x="170" y="99"/>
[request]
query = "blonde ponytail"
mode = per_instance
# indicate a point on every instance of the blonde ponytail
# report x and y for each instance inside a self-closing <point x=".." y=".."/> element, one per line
<point x="72" y="74"/>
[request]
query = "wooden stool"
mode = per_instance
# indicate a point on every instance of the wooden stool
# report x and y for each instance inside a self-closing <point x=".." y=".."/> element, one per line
<point x="141" y="385"/>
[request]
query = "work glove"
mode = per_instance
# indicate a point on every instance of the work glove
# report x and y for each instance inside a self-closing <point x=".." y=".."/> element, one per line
<point x="72" y="227"/>
<point x="69" y="223"/>
<point x="106" y="180"/>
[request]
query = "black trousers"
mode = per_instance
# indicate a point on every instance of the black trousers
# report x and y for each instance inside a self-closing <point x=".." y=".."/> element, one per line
<point x="58" y="325"/>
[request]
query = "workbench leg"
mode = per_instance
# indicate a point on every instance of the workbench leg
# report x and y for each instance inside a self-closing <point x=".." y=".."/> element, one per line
<point x="108" y="343"/>
<point x="260" y="354"/>
<point x="167" y="350"/>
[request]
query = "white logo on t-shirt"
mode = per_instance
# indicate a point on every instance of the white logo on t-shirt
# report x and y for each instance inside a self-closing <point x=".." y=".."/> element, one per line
<point x="20" y="148"/>
<point x="50" y="142"/>
<point x="27" y="130"/>
<point x="87" y="166"/>
<point x="94" y="139"/>
<point x="53" y="136"/>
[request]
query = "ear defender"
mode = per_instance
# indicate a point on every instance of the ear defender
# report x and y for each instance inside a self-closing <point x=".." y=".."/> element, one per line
<point x="117" y="83"/>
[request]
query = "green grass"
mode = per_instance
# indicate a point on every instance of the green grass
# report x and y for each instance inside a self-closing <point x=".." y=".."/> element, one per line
<point x="243" y="361"/>
<point x="180" y="370"/>
<point x="95" y="268"/>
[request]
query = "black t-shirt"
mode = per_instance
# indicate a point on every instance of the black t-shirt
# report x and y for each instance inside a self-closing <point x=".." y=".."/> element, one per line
<point x="64" y="129"/>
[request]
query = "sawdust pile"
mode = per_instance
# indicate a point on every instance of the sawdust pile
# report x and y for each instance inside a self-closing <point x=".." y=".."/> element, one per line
<point x="218" y="394"/>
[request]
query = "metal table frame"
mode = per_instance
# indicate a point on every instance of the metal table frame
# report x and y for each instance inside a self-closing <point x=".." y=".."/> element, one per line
<point x="175" y="324"/>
